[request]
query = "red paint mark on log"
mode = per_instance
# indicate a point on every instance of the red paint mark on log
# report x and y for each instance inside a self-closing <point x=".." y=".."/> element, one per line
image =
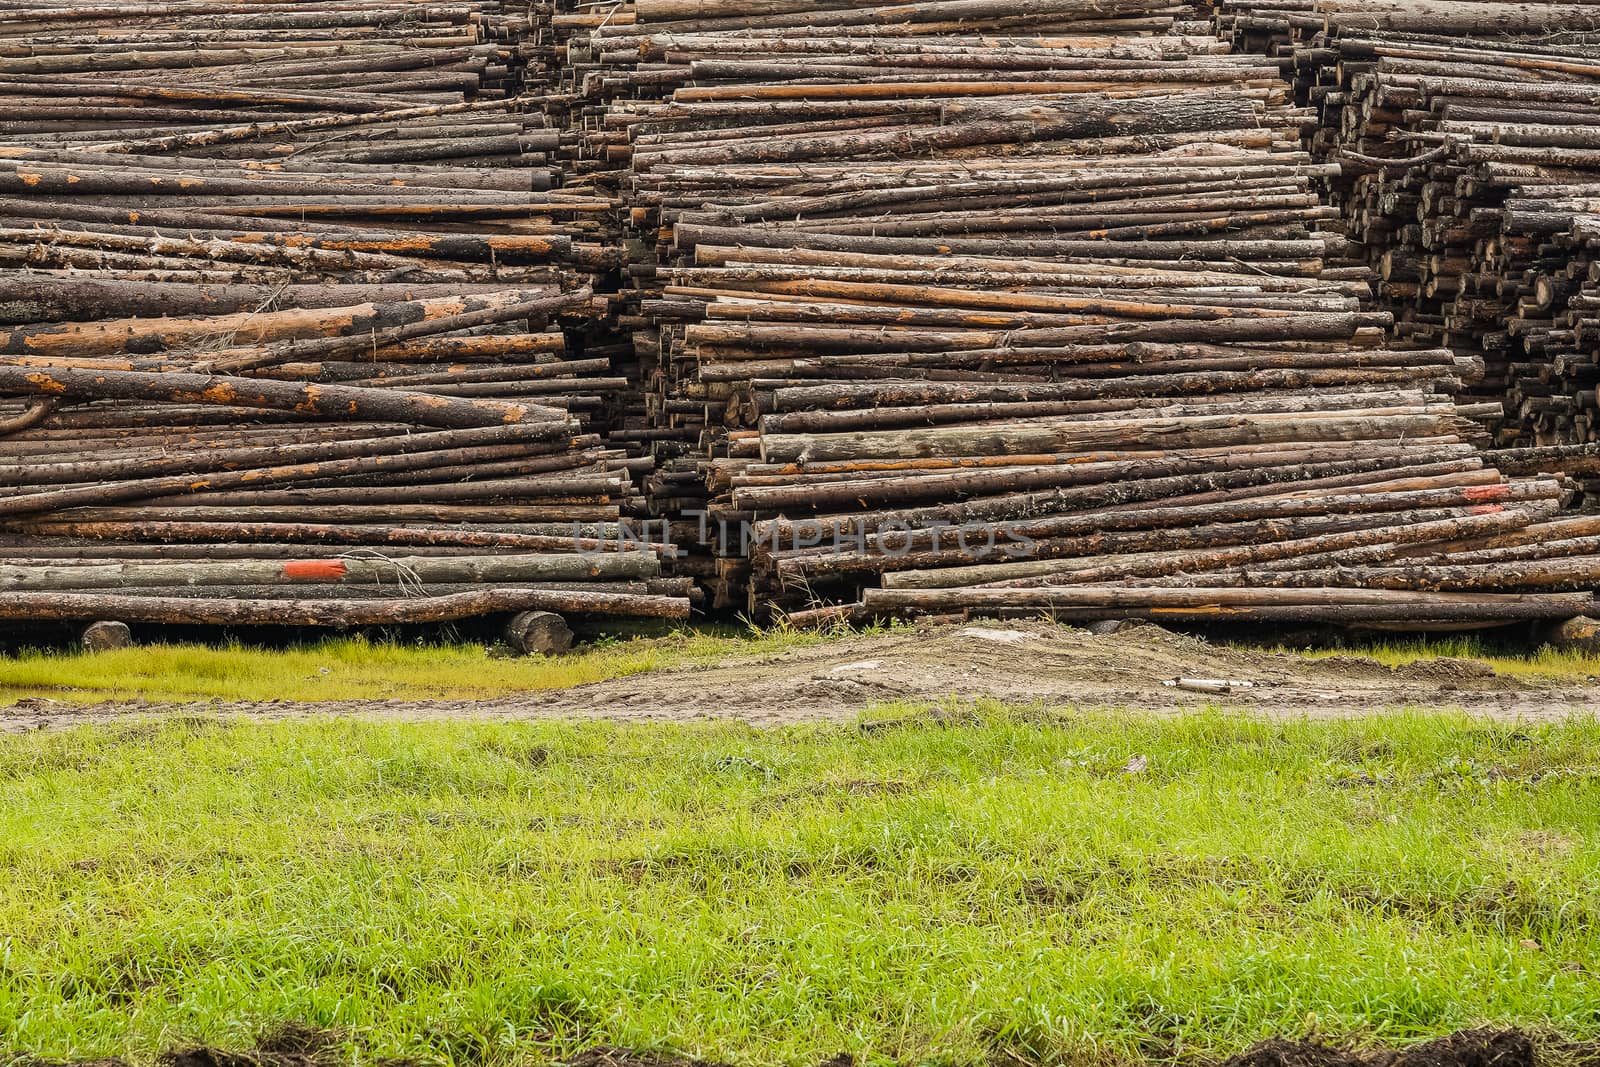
<point x="1487" y="492"/>
<point x="314" y="568"/>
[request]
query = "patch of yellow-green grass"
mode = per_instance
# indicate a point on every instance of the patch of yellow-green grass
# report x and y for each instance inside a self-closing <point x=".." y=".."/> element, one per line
<point x="1006" y="886"/>
<point x="1542" y="662"/>
<point x="356" y="669"/>
<point x="336" y="669"/>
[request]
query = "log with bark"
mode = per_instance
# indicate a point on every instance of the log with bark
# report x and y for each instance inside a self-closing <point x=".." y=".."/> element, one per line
<point x="296" y="302"/>
<point x="380" y="311"/>
<point x="1469" y="165"/>
<point x="927" y="299"/>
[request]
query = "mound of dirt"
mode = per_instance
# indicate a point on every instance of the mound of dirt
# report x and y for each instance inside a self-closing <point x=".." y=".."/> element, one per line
<point x="1469" y="1048"/>
<point x="616" y="1057"/>
<point x="286" y="1045"/>
<point x="1028" y="663"/>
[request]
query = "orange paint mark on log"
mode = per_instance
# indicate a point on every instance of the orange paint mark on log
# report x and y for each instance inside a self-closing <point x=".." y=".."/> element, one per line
<point x="1487" y="492"/>
<point x="405" y="244"/>
<point x="314" y="568"/>
<point x="29" y="177"/>
<point x="219" y="394"/>
<point x="46" y="384"/>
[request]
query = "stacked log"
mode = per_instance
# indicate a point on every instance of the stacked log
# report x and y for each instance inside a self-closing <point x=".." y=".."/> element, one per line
<point x="1468" y="146"/>
<point x="282" y="144"/>
<point x="979" y="292"/>
<point x="419" y="450"/>
<point x="298" y="325"/>
<point x="973" y="305"/>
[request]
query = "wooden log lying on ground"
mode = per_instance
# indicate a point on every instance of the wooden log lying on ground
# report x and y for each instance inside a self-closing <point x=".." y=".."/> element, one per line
<point x="1467" y="151"/>
<point x="1041" y="286"/>
<point x="332" y="613"/>
<point x="992" y="303"/>
<point x="1240" y="605"/>
<point x="286" y="283"/>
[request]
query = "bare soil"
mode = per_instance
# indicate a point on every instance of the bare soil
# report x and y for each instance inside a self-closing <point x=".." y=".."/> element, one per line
<point x="1469" y="1048"/>
<point x="297" y="1046"/>
<point x="1143" y="667"/>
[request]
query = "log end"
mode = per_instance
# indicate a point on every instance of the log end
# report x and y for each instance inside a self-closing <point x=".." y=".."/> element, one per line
<point x="105" y="635"/>
<point x="538" y="633"/>
<point x="1579" y="634"/>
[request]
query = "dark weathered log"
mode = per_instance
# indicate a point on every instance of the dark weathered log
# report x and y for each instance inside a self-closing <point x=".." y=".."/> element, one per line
<point x="311" y="401"/>
<point x="332" y="613"/>
<point x="1225" y="602"/>
<point x="350" y="570"/>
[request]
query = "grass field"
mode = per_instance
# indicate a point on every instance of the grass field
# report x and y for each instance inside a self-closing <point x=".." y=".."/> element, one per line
<point x="356" y="669"/>
<point x="998" y="886"/>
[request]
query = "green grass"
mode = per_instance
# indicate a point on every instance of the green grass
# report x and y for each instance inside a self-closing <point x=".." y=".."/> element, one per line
<point x="357" y="669"/>
<point x="963" y="888"/>
<point x="353" y="669"/>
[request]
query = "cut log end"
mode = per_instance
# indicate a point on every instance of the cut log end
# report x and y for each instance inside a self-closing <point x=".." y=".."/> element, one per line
<point x="1579" y="634"/>
<point x="538" y="633"/>
<point x="105" y="635"/>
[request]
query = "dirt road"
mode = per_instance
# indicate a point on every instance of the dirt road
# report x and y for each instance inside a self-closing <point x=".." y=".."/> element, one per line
<point x="1017" y="662"/>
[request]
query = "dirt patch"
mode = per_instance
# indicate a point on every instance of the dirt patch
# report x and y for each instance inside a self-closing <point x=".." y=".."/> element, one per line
<point x="617" y="1057"/>
<point x="287" y="1045"/>
<point x="1441" y="669"/>
<point x="1470" y="1048"/>
<point x="949" y="668"/>
<point x="295" y="1046"/>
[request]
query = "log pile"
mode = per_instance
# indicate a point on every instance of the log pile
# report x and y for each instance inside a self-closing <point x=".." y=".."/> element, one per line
<point x="957" y="294"/>
<point x="1470" y="162"/>
<point x="963" y="306"/>
<point x="436" y="451"/>
<point x="297" y="325"/>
